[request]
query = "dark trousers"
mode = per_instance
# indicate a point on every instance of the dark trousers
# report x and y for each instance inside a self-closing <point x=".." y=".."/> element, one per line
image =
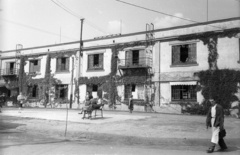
<point x="222" y="144"/>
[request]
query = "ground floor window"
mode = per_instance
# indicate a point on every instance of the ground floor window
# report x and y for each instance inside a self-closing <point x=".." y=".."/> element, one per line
<point x="61" y="91"/>
<point x="94" y="90"/>
<point x="184" y="92"/>
<point x="33" y="91"/>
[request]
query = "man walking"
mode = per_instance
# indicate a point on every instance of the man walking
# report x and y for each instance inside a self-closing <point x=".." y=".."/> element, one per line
<point x="215" y="119"/>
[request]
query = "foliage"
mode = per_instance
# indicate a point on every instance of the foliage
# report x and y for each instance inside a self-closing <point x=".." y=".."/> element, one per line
<point x="195" y="108"/>
<point x="221" y="85"/>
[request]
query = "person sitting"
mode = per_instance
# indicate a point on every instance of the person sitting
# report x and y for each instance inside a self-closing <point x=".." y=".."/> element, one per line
<point x="96" y="103"/>
<point x="86" y="102"/>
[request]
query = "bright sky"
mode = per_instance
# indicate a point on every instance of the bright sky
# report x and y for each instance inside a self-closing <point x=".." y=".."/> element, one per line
<point x="42" y="22"/>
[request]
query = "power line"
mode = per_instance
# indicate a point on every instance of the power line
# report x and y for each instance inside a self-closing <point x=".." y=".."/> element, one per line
<point x="190" y="20"/>
<point x="65" y="8"/>
<point x="34" y="28"/>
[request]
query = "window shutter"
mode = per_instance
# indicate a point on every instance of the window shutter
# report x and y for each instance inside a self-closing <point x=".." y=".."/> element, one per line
<point x="192" y="53"/>
<point x="128" y="58"/>
<point x="142" y="57"/>
<point x="57" y="93"/>
<point x="175" y="54"/>
<point x="38" y="66"/>
<point x="101" y="60"/>
<point x="65" y="91"/>
<point x="67" y="64"/>
<point x="90" y="61"/>
<point x="30" y="66"/>
<point x="37" y="91"/>
<point x="59" y="60"/>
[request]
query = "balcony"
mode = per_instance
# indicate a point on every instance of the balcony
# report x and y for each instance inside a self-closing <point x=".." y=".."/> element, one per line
<point x="9" y="71"/>
<point x="143" y="62"/>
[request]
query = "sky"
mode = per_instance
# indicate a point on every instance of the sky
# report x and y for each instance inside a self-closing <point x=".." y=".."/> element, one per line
<point x="43" y="22"/>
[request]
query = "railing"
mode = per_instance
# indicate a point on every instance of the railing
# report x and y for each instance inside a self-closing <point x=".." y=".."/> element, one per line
<point x="140" y="62"/>
<point x="9" y="71"/>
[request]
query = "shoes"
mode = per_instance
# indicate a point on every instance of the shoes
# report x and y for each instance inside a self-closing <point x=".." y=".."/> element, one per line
<point x="210" y="150"/>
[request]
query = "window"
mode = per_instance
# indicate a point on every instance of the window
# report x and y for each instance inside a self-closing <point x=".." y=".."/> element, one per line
<point x="184" y="92"/>
<point x="95" y="61"/>
<point x="34" y="66"/>
<point x="10" y="68"/>
<point x="94" y="87"/>
<point x="61" y="91"/>
<point x="62" y="64"/>
<point x="184" y="54"/>
<point x="129" y="89"/>
<point x="133" y="87"/>
<point x="135" y="57"/>
<point x="33" y="91"/>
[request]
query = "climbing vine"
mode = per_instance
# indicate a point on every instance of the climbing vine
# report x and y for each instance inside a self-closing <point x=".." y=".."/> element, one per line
<point x="110" y="82"/>
<point x="214" y="83"/>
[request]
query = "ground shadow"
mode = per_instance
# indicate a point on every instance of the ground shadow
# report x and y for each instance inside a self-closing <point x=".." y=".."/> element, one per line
<point x="97" y="118"/>
<point x="230" y="149"/>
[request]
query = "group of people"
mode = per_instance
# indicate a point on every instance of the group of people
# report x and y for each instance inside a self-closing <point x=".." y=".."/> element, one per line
<point x="90" y="105"/>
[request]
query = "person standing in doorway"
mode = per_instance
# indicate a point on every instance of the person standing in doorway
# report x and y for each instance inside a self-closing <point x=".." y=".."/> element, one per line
<point x="21" y="98"/>
<point x="215" y="119"/>
<point x="130" y="104"/>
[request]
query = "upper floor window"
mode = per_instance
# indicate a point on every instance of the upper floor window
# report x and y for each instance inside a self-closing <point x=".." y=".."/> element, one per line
<point x="95" y="61"/>
<point x="10" y="68"/>
<point x="34" y="66"/>
<point x="184" y="92"/>
<point x="184" y="54"/>
<point x="62" y="64"/>
<point x="33" y="91"/>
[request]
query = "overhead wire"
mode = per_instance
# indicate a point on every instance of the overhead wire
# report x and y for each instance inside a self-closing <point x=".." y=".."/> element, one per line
<point x="166" y="14"/>
<point x="34" y="28"/>
<point x="65" y="8"/>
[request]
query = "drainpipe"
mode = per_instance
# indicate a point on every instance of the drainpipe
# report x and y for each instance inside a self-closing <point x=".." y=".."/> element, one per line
<point x="159" y="72"/>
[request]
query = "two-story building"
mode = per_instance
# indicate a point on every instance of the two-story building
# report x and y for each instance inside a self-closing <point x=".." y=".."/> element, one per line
<point x="159" y="70"/>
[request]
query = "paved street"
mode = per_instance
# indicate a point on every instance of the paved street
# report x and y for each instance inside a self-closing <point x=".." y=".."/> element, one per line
<point x="42" y="131"/>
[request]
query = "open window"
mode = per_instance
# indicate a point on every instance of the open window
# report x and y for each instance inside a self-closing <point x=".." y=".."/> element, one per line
<point x="34" y="66"/>
<point x="184" y="54"/>
<point x="61" y="91"/>
<point x="33" y="91"/>
<point x="62" y="64"/>
<point x="95" y="61"/>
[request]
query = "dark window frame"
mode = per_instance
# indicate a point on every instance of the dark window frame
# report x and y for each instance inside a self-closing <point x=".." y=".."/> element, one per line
<point x="33" y="67"/>
<point x="62" y="64"/>
<point x="184" y="54"/>
<point x="61" y="91"/>
<point x="183" y="93"/>
<point x="95" y="61"/>
<point x="33" y="91"/>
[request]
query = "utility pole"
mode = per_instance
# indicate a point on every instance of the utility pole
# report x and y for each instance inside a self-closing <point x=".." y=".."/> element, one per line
<point x="71" y="96"/>
<point x="79" y="60"/>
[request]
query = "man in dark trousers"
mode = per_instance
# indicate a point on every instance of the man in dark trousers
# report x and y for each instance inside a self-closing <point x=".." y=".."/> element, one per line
<point x="215" y="119"/>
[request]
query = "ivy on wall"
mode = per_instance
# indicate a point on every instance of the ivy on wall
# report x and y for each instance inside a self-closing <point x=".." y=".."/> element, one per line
<point x="220" y="85"/>
<point x="211" y="39"/>
<point x="110" y="82"/>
